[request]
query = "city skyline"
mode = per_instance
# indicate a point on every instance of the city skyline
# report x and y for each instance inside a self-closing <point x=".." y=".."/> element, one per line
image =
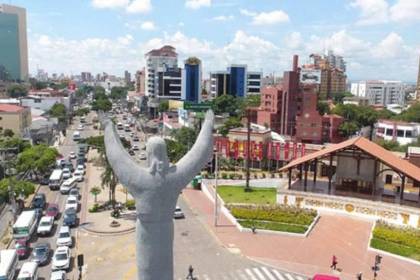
<point x="375" y="38"/>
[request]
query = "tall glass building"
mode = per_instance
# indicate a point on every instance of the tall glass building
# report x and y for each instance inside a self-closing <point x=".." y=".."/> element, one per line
<point x="13" y="43"/>
<point x="191" y="86"/>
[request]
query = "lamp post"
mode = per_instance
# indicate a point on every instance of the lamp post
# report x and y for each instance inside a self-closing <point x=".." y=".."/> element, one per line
<point x="248" y="141"/>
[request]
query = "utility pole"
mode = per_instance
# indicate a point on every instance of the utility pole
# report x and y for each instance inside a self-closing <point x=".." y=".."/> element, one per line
<point x="12" y="202"/>
<point x="248" y="146"/>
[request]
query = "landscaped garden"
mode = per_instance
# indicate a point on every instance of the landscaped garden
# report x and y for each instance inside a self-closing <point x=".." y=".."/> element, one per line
<point x="401" y="241"/>
<point x="236" y="194"/>
<point x="276" y="218"/>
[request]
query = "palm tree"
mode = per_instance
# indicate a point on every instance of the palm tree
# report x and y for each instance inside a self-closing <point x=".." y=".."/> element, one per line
<point x="109" y="179"/>
<point x="95" y="191"/>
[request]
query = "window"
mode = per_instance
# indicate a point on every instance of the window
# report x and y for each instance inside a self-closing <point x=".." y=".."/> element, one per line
<point x="409" y="134"/>
<point x="400" y="133"/>
<point x="389" y="132"/>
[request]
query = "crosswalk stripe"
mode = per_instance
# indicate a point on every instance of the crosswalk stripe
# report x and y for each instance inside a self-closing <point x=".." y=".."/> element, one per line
<point x="248" y="271"/>
<point x="290" y="277"/>
<point x="267" y="272"/>
<point x="258" y="272"/>
<point x="299" y="278"/>
<point x="278" y="274"/>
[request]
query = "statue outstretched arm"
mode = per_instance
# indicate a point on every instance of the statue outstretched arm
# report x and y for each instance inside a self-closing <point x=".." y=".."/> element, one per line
<point x="198" y="156"/>
<point x="125" y="168"/>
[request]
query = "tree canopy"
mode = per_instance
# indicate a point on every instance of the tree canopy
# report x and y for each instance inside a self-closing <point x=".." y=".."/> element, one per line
<point x="38" y="159"/>
<point x="231" y="122"/>
<point x="17" y="90"/>
<point x="14" y="142"/>
<point x="59" y="111"/>
<point x="19" y="187"/>
<point x="183" y="139"/>
<point x="118" y="93"/>
<point x="163" y="106"/>
<point x="412" y="114"/>
<point x="226" y="104"/>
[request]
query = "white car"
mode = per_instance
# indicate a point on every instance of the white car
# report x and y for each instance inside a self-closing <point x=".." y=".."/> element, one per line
<point x="72" y="155"/>
<point x="66" y="173"/>
<point x="58" y="275"/>
<point x="45" y="225"/>
<point x="178" y="214"/>
<point x="80" y="127"/>
<point x="135" y="148"/>
<point x="142" y="156"/>
<point x="80" y="168"/>
<point x="78" y="175"/>
<point x="61" y="258"/>
<point x="64" y="237"/>
<point x="72" y="202"/>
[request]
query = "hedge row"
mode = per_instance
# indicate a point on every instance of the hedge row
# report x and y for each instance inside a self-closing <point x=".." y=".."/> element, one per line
<point x="404" y="236"/>
<point x="395" y="248"/>
<point x="282" y="214"/>
<point x="273" y="226"/>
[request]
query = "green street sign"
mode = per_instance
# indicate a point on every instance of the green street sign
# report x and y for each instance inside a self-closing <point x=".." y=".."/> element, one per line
<point x="197" y="106"/>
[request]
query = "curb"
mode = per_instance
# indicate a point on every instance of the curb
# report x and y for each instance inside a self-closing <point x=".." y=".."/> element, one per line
<point x="108" y="233"/>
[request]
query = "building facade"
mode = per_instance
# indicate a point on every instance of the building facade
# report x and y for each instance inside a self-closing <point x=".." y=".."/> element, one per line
<point x="191" y="80"/>
<point x="169" y="83"/>
<point x="402" y="132"/>
<point x="140" y="81"/>
<point x="236" y="81"/>
<point x="13" y="43"/>
<point x="158" y="60"/>
<point x="127" y="77"/>
<point x="380" y="93"/>
<point x="16" y="118"/>
<point x="86" y="77"/>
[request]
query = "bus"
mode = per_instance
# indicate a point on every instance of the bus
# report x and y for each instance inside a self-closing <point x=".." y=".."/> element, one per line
<point x="56" y="179"/>
<point x="25" y="225"/>
<point x="29" y="271"/>
<point x="119" y="126"/>
<point x="8" y="264"/>
<point x="76" y="136"/>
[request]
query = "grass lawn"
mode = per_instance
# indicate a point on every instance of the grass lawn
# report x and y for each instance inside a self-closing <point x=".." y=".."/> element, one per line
<point x="236" y="194"/>
<point x="273" y="226"/>
<point x="401" y="241"/>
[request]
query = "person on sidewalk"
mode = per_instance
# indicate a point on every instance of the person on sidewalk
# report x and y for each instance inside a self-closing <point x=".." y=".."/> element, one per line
<point x="334" y="262"/>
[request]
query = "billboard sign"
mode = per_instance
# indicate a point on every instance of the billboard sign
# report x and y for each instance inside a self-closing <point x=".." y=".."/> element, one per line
<point x="310" y="76"/>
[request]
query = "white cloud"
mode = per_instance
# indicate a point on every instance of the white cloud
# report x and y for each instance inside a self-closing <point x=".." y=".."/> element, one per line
<point x="390" y="47"/>
<point x="405" y="11"/>
<point x="102" y="4"/>
<point x="139" y="6"/>
<point x="223" y="18"/>
<point x="197" y="4"/>
<point x="148" y="25"/>
<point x="266" y="18"/>
<point x="379" y="11"/>
<point x="372" y="11"/>
<point x="294" y="40"/>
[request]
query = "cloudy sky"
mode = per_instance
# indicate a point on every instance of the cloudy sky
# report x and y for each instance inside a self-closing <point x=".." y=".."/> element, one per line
<point x="380" y="39"/>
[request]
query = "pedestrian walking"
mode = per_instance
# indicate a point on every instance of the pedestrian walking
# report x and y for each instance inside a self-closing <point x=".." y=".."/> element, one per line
<point x="334" y="262"/>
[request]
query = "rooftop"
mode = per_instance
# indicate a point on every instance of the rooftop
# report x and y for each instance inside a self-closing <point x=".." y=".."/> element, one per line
<point x="10" y="108"/>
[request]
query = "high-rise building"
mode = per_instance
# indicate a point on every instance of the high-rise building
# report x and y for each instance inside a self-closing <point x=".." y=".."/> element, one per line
<point x="158" y="60"/>
<point x="13" y="43"/>
<point x="140" y="81"/>
<point x="332" y="71"/>
<point x="86" y="76"/>
<point x="380" y="93"/>
<point x="127" y="77"/>
<point x="418" y="84"/>
<point x="169" y="83"/>
<point x="191" y="80"/>
<point x="236" y="81"/>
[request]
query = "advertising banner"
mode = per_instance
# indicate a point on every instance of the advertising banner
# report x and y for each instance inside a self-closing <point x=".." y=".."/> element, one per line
<point x="310" y="76"/>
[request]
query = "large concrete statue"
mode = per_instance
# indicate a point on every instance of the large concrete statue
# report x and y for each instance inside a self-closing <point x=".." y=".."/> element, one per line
<point x="156" y="190"/>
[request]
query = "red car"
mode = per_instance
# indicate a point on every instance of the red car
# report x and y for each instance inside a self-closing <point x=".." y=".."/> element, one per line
<point x="22" y="248"/>
<point x="325" y="277"/>
<point x="52" y="210"/>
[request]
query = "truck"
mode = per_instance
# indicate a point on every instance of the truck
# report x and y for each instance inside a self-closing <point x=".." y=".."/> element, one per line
<point x="56" y="179"/>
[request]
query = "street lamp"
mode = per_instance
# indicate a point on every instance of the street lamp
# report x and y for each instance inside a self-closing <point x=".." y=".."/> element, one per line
<point x="216" y="173"/>
<point x="248" y="150"/>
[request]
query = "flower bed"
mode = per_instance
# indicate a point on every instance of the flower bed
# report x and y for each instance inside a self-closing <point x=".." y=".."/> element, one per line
<point x="401" y="241"/>
<point x="276" y="218"/>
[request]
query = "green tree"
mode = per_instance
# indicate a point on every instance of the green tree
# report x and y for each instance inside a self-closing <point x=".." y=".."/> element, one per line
<point x="385" y="114"/>
<point x="17" y="90"/>
<point x="323" y="107"/>
<point x="348" y="128"/>
<point x="19" y="187"/>
<point x="102" y="104"/>
<point x="252" y="100"/>
<point x="118" y="93"/>
<point x="181" y="142"/>
<point x="14" y="142"/>
<point x="82" y="112"/>
<point x="163" y="106"/>
<point x="40" y="85"/>
<point x="227" y="104"/>
<point x="412" y="114"/>
<point x="39" y="159"/>
<point x="59" y="111"/>
<point x="95" y="191"/>
<point x="339" y="96"/>
<point x="231" y="122"/>
<point x="8" y="133"/>
<point x="109" y="180"/>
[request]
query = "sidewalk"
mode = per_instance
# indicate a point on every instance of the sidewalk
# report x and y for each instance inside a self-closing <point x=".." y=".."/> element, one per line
<point x="345" y="237"/>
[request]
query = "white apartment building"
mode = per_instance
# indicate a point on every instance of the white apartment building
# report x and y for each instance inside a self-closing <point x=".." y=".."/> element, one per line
<point x="158" y="60"/>
<point x="381" y="93"/>
<point x="402" y="132"/>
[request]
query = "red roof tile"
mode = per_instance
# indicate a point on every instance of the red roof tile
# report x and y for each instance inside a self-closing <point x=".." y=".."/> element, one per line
<point x="9" y="108"/>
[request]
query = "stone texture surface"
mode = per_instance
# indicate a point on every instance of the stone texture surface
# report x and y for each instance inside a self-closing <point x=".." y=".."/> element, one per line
<point x="156" y="190"/>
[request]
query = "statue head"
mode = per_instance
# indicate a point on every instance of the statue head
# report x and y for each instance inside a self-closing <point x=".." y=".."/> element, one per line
<point x="157" y="157"/>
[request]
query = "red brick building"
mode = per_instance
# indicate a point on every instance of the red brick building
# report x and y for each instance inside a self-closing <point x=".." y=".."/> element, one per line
<point x="291" y="109"/>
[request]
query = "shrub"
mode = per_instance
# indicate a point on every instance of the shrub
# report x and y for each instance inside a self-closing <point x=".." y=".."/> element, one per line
<point x="263" y="175"/>
<point x="273" y="226"/>
<point x="283" y="214"/>
<point x="130" y="204"/>
<point x="240" y="176"/>
<point x="231" y="176"/>
<point x="400" y="235"/>
<point x="224" y="175"/>
<point x="94" y="209"/>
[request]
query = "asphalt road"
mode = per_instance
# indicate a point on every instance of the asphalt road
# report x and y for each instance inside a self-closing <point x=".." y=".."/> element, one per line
<point x="56" y="197"/>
